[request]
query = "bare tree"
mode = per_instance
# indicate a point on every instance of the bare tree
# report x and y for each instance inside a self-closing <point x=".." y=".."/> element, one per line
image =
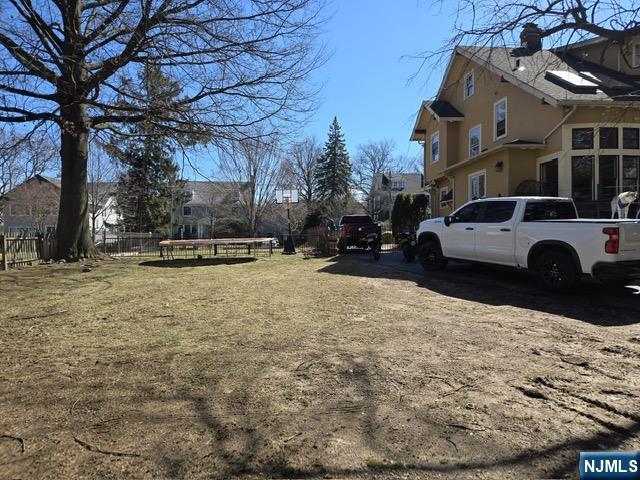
<point x="303" y="158"/>
<point x="101" y="175"/>
<point x="76" y="63"/>
<point x="22" y="157"/>
<point x="254" y="166"/>
<point x="219" y="201"/>
<point x="498" y="22"/>
<point x="371" y="161"/>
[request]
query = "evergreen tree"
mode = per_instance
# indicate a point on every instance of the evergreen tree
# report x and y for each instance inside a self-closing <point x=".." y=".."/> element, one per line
<point x="333" y="172"/>
<point x="149" y="185"/>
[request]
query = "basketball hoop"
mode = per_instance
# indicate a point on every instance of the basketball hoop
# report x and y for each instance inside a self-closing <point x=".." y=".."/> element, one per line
<point x="287" y="196"/>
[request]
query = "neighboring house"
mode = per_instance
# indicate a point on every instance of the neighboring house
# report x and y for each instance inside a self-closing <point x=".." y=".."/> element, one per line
<point x="205" y="203"/>
<point x="530" y="120"/>
<point x="387" y="186"/>
<point x="32" y="207"/>
<point x="103" y="214"/>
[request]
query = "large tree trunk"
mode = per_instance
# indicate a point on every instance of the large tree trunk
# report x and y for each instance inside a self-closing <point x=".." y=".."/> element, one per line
<point x="73" y="232"/>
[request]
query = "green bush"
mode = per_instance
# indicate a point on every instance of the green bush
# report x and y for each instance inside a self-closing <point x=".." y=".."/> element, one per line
<point x="408" y="211"/>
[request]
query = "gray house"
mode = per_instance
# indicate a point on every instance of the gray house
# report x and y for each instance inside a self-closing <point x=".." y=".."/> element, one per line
<point x="205" y="206"/>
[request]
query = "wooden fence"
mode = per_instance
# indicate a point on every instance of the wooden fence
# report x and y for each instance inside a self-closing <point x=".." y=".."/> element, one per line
<point x="17" y="251"/>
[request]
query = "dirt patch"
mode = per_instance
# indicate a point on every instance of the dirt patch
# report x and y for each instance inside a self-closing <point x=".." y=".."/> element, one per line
<point x="287" y="368"/>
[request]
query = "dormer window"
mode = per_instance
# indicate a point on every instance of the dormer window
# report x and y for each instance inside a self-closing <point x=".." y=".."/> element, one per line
<point x="186" y="211"/>
<point x="469" y="84"/>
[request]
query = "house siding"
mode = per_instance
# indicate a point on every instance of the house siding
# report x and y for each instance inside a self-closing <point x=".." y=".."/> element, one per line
<point x="528" y="119"/>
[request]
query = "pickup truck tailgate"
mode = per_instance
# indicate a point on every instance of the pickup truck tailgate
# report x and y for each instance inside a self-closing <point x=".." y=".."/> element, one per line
<point x="629" y="241"/>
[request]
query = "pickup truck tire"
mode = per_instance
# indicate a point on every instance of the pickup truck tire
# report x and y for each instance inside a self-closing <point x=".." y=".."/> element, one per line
<point x="430" y="256"/>
<point x="556" y="271"/>
<point x="341" y="247"/>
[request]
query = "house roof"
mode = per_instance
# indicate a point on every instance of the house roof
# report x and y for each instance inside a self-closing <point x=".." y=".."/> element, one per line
<point x="443" y="109"/>
<point x="55" y="181"/>
<point x="541" y="74"/>
<point x="42" y="178"/>
<point x="201" y="191"/>
<point x="557" y="76"/>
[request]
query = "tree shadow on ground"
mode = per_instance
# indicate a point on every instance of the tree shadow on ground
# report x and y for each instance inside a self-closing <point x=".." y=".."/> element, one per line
<point x="195" y="262"/>
<point x="241" y="439"/>
<point x="489" y="285"/>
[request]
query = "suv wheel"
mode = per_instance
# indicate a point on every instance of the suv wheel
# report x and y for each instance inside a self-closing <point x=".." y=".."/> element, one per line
<point x="430" y="255"/>
<point x="341" y="247"/>
<point x="556" y="272"/>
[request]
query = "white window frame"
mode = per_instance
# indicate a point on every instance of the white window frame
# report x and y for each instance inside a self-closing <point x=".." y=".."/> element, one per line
<point x="187" y="214"/>
<point x="495" y="118"/>
<point x="634" y="58"/>
<point x="442" y="192"/>
<point x="479" y="128"/>
<point x="398" y="185"/>
<point x="565" y="184"/>
<point x="477" y="174"/>
<point x="436" y="158"/>
<point x="471" y="75"/>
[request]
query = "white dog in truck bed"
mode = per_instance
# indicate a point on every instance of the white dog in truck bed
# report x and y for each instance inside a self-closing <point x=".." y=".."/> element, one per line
<point x="620" y="204"/>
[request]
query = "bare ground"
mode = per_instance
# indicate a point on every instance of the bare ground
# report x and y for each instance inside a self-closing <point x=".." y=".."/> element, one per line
<point x="295" y="368"/>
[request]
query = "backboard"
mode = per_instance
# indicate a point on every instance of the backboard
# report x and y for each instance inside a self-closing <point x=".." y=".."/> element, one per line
<point x="286" y="195"/>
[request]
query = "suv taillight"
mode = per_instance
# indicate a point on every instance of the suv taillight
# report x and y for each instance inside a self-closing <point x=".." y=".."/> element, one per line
<point x="613" y="244"/>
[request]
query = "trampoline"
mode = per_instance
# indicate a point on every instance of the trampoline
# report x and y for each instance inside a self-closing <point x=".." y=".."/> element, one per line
<point x="216" y="246"/>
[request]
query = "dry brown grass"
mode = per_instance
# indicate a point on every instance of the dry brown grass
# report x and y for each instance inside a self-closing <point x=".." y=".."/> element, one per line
<point x="294" y="368"/>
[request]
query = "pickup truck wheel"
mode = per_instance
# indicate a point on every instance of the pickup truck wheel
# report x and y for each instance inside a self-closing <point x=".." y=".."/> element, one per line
<point x="431" y="258"/>
<point x="556" y="272"/>
<point x="341" y="248"/>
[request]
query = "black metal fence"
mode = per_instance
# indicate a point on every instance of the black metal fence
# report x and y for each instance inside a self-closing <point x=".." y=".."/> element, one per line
<point x="129" y="244"/>
<point x="321" y="243"/>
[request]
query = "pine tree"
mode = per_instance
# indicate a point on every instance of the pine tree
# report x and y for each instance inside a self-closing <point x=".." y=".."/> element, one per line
<point x="333" y="172"/>
<point x="150" y="179"/>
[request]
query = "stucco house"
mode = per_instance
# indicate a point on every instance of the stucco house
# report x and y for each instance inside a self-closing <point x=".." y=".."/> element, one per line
<point x="529" y="120"/>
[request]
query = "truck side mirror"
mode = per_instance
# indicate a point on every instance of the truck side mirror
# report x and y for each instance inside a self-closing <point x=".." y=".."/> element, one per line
<point x="448" y="220"/>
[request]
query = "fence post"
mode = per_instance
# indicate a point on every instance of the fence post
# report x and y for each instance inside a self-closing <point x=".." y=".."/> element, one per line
<point x="104" y="240"/>
<point x="3" y="250"/>
<point x="40" y="246"/>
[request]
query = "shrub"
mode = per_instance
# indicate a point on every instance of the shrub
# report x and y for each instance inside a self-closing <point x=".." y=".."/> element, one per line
<point x="408" y="211"/>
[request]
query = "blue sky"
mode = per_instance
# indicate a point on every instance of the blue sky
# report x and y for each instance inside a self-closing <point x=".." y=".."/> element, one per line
<point x="366" y="79"/>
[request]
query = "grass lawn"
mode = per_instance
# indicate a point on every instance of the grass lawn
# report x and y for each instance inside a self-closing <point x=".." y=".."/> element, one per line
<point x="326" y="368"/>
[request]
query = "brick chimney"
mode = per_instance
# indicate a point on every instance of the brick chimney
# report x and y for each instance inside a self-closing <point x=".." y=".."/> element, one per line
<point x="531" y="37"/>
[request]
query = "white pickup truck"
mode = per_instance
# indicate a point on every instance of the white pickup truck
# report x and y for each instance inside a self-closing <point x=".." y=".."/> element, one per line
<point x="542" y="234"/>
